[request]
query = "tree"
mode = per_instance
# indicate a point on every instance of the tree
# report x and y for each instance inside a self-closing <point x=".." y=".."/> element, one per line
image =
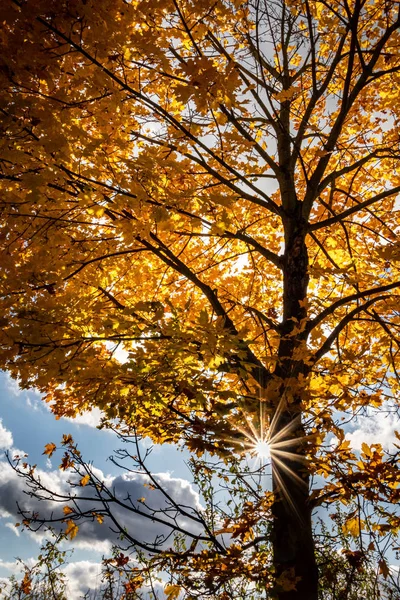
<point x="211" y="187"/>
<point x="42" y="581"/>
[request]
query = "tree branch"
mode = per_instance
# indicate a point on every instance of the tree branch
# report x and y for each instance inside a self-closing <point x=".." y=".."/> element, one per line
<point x="346" y="300"/>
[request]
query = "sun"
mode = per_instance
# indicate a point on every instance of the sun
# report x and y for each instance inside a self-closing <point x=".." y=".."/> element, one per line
<point x="262" y="449"/>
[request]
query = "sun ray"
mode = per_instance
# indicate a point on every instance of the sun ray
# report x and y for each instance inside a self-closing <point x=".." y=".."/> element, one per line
<point x="289" y="455"/>
<point x="275" y="418"/>
<point x="284" y="467"/>
<point x="286" y="430"/>
<point x="285" y="443"/>
<point x="286" y="494"/>
<point x="251" y="426"/>
<point x="261" y="440"/>
<point x="247" y="435"/>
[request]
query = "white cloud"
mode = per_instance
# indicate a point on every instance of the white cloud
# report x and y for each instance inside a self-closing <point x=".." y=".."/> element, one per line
<point x="12" y="385"/>
<point x="14" y="566"/>
<point x="376" y="428"/>
<point x="127" y="487"/>
<point x="82" y="576"/>
<point x="6" y="438"/>
<point x="91" y="418"/>
<point x="34" y="403"/>
<point x="12" y="527"/>
<point x="4" y="585"/>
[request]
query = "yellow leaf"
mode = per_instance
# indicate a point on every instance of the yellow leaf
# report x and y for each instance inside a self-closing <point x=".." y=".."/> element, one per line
<point x="172" y="591"/>
<point x="85" y="480"/>
<point x="287" y="94"/>
<point x="67" y="439"/>
<point x="383" y="568"/>
<point x="71" y="529"/>
<point x="366" y="449"/>
<point x="49" y="449"/>
<point x="67" y="510"/>
<point x="353" y="526"/>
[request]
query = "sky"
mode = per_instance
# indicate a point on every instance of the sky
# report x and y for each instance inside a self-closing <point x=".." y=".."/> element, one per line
<point x="26" y="425"/>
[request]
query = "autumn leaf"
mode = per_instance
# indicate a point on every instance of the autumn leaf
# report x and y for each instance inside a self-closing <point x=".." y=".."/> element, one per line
<point x="67" y="440"/>
<point x="67" y="462"/>
<point x="384" y="568"/>
<point x="85" y="480"/>
<point x="67" y="510"/>
<point x="353" y="526"/>
<point x="71" y="530"/>
<point x="121" y="560"/>
<point x="172" y="591"/>
<point x="366" y="449"/>
<point x="49" y="449"/>
<point x="26" y="584"/>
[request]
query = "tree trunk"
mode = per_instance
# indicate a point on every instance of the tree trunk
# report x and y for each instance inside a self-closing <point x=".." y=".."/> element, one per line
<point x="293" y="545"/>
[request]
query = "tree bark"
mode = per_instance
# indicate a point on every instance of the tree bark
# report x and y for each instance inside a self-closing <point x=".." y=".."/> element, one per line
<point x="293" y="545"/>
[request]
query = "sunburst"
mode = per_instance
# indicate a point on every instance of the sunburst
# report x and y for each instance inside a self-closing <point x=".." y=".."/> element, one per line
<point x="263" y="441"/>
<point x="263" y="449"/>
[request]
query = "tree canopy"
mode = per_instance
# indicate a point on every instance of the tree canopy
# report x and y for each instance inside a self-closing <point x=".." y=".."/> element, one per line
<point x="199" y="224"/>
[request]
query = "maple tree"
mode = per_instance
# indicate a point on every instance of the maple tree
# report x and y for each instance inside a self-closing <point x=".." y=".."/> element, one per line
<point x="210" y="187"/>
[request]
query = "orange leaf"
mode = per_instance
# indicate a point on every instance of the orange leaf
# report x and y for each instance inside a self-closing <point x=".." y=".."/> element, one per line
<point x="49" y="449"/>
<point x="85" y="480"/>
<point x="383" y="568"/>
<point x="26" y="584"/>
<point x="172" y="591"/>
<point x="67" y="439"/>
<point x="71" y="529"/>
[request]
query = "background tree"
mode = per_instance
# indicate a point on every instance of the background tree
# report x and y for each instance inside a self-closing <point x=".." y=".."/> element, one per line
<point x="211" y="187"/>
<point x="45" y="580"/>
<point x="42" y="581"/>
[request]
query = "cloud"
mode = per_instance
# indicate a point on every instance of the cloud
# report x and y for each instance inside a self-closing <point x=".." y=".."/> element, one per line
<point x="127" y="487"/>
<point x="12" y="385"/>
<point x="14" y="566"/>
<point x="377" y="428"/>
<point x="6" y="438"/>
<point x="10" y="525"/>
<point x="82" y="576"/>
<point x="91" y="418"/>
